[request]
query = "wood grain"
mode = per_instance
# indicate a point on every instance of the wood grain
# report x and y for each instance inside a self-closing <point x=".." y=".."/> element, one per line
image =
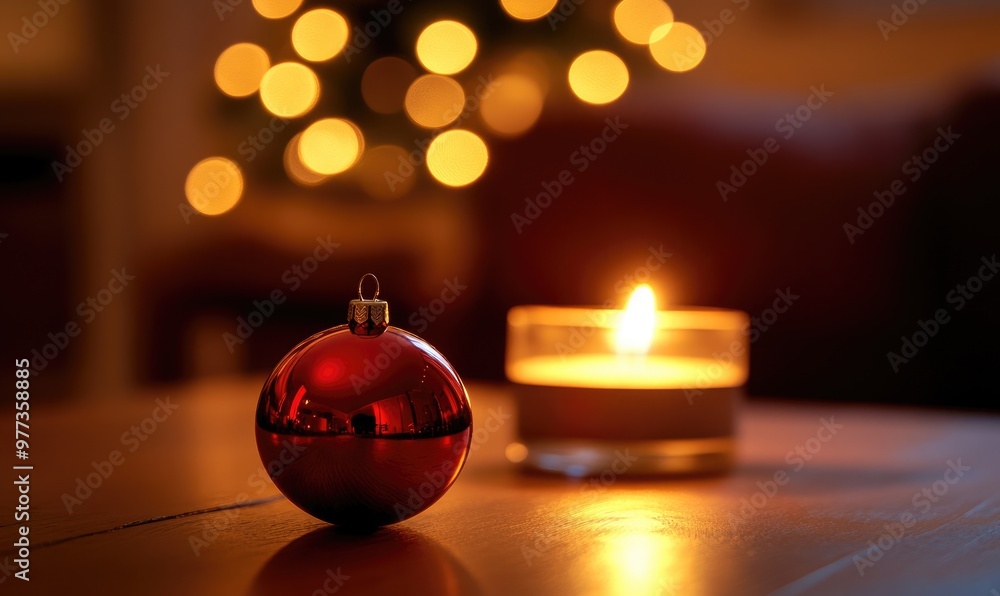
<point x="189" y="511"/>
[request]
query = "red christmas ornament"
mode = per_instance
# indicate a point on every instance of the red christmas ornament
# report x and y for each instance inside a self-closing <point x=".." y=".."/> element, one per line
<point x="363" y="424"/>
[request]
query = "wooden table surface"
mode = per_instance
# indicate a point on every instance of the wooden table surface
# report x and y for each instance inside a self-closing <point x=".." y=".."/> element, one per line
<point x="188" y="510"/>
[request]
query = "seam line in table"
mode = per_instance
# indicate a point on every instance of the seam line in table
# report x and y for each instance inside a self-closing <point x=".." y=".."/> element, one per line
<point x="154" y="520"/>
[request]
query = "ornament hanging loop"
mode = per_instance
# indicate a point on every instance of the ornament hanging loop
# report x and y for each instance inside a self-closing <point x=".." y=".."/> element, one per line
<point x="368" y="317"/>
<point x="361" y="283"/>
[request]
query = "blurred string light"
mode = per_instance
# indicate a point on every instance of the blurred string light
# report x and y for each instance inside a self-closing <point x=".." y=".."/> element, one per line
<point x="636" y="20"/>
<point x="276" y="9"/>
<point x="446" y="47"/>
<point x="289" y="89"/>
<point x="598" y="77"/>
<point x="297" y="171"/>
<point x="214" y="185"/>
<point x="331" y="146"/>
<point x="528" y="10"/>
<point x="433" y="99"/>
<point x="678" y="47"/>
<point x="514" y="105"/>
<point x="239" y="69"/>
<point x="319" y="35"/>
<point x="457" y="157"/>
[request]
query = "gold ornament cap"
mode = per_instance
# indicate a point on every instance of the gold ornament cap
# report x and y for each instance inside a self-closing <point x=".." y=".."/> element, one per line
<point x="368" y="317"/>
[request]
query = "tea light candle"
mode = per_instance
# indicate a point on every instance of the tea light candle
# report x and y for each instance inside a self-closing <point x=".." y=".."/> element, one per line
<point x="656" y="390"/>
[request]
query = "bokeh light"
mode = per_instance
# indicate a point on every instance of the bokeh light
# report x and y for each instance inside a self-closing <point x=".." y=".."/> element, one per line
<point x="384" y="84"/>
<point x="276" y="9"/>
<point x="536" y="64"/>
<point x="289" y="89"/>
<point x="457" y="157"/>
<point x="514" y="106"/>
<point x="433" y="101"/>
<point x="239" y="68"/>
<point x="331" y="146"/>
<point x="678" y="47"/>
<point x="636" y="20"/>
<point x="296" y="170"/>
<point x="320" y="34"/>
<point x="391" y="84"/>
<point x="214" y="185"/>
<point x="527" y="10"/>
<point x="385" y="172"/>
<point x="598" y="77"/>
<point x="446" y="47"/>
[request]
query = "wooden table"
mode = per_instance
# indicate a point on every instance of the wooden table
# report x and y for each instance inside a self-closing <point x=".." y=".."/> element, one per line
<point x="190" y="512"/>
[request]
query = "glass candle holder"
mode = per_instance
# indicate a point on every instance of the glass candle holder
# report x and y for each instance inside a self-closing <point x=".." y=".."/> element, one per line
<point x="590" y="402"/>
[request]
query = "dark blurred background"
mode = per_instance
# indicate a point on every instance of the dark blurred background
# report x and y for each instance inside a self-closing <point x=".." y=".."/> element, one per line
<point x="657" y="185"/>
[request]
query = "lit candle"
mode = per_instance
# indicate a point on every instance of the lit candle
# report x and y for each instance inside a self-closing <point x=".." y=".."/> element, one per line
<point x="595" y="382"/>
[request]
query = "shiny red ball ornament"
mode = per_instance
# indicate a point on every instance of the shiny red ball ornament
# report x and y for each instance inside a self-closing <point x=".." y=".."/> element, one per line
<point x="363" y="424"/>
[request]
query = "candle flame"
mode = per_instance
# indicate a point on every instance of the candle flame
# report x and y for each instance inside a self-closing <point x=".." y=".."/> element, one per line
<point x="635" y="331"/>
